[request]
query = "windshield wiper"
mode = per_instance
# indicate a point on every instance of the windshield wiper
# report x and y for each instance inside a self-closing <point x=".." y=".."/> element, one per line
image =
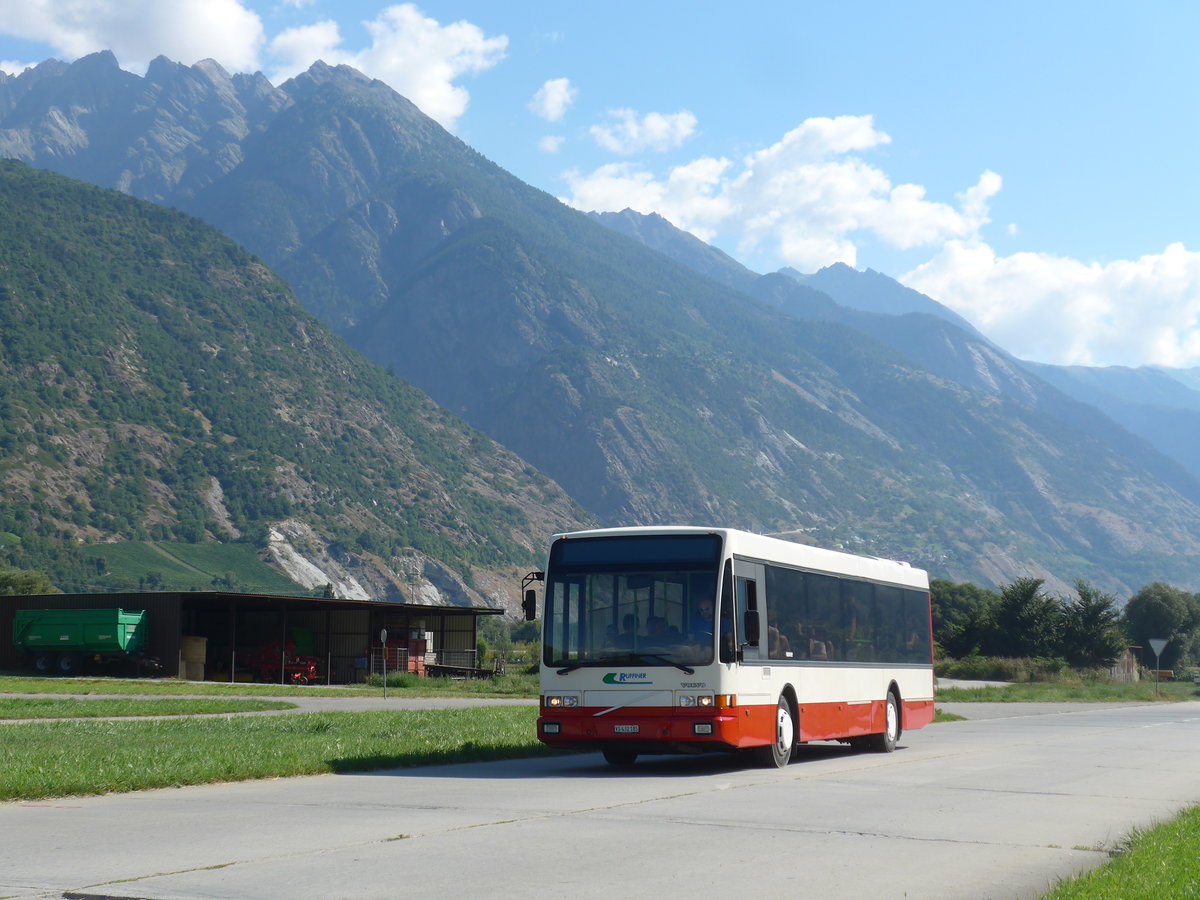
<point x="626" y="659"/>
<point x="666" y="660"/>
<point x="623" y="659"/>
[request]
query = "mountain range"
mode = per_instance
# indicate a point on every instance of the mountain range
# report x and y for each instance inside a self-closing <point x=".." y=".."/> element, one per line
<point x="650" y="375"/>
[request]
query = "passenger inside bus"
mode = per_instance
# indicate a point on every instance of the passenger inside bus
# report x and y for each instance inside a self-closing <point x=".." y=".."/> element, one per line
<point x="778" y="645"/>
<point x="628" y="631"/>
<point x="702" y="621"/>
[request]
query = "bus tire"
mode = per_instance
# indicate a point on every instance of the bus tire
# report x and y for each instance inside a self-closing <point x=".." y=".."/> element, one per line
<point x="779" y="753"/>
<point x="886" y="742"/>
<point x="620" y="757"/>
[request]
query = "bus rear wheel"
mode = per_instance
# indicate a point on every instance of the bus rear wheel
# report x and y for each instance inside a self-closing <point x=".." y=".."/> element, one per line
<point x="886" y="742"/>
<point x="620" y="757"/>
<point x="779" y="754"/>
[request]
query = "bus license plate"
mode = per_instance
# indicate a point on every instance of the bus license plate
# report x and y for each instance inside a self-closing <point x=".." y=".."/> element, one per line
<point x="626" y="729"/>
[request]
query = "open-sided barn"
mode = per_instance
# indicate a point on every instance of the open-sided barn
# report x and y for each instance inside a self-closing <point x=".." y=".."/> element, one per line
<point x="224" y="636"/>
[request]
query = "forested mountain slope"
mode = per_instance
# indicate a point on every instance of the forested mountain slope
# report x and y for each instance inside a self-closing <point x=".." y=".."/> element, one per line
<point x="158" y="382"/>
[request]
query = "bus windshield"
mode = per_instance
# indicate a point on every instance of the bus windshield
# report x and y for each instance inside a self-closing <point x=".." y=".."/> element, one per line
<point x="638" y="601"/>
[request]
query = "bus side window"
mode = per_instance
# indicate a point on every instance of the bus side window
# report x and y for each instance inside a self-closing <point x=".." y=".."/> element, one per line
<point x="859" y="611"/>
<point x="786" y="637"/>
<point x="825" y="616"/>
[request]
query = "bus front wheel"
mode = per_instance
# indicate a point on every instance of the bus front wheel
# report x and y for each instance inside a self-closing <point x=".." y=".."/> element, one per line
<point x="779" y="754"/>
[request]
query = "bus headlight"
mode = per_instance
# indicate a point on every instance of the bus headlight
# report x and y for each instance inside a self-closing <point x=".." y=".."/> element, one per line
<point x="560" y="701"/>
<point x="693" y="700"/>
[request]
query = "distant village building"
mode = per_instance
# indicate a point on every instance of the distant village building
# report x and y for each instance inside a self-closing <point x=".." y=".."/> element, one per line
<point x="1125" y="669"/>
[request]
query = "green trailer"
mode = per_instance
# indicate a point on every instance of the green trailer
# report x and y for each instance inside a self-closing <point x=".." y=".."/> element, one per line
<point x="63" y="640"/>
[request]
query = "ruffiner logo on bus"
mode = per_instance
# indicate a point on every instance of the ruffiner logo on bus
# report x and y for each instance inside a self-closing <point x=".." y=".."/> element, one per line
<point x="627" y="678"/>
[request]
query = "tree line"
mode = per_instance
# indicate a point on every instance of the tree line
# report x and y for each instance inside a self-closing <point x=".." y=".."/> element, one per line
<point x="1086" y="629"/>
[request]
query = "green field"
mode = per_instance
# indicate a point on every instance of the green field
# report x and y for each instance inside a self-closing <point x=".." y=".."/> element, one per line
<point x="189" y="567"/>
<point x="56" y="759"/>
<point x="111" y="707"/>
<point x="400" y="685"/>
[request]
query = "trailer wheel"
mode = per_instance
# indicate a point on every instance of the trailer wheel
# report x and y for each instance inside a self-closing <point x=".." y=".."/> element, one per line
<point x="43" y="663"/>
<point x="68" y="664"/>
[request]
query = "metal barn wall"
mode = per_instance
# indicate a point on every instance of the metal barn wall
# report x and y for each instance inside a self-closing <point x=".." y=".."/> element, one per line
<point x="341" y="637"/>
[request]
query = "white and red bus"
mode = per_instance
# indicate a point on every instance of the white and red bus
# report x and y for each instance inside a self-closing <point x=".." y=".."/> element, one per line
<point x="683" y="640"/>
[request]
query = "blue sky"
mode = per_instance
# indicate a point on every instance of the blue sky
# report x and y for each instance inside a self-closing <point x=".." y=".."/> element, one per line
<point x="1030" y="165"/>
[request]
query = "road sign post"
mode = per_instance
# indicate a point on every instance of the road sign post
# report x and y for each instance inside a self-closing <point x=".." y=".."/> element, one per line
<point x="383" y="641"/>
<point x="1157" y="645"/>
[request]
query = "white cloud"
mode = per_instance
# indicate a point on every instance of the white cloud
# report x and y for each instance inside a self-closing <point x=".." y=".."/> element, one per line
<point x="551" y="143"/>
<point x="617" y="186"/>
<point x="303" y="45"/>
<point x="416" y="55"/>
<point x="804" y="199"/>
<point x="813" y="196"/>
<point x="689" y="194"/>
<point x="139" y="30"/>
<point x="1055" y="309"/>
<point x="654" y="131"/>
<point x="553" y="99"/>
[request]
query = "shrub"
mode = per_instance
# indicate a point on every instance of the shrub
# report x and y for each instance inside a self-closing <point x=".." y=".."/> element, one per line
<point x="996" y="668"/>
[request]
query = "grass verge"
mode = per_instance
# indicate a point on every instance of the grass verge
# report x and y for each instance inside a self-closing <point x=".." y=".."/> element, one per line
<point x="55" y="759"/>
<point x="105" y="707"/>
<point x="407" y="686"/>
<point x="1154" y="863"/>
<point x="1086" y="692"/>
<point x="939" y="716"/>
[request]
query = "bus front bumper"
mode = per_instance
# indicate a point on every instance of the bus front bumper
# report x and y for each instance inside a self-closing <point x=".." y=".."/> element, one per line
<point x="673" y="729"/>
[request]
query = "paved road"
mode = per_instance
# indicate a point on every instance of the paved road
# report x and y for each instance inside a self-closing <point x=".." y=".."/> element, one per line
<point x="989" y="808"/>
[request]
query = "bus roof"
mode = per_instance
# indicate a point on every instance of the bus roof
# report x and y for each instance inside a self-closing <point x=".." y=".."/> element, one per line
<point x="771" y="549"/>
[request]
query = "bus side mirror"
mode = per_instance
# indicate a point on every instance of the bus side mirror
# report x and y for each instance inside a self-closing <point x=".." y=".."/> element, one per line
<point x="529" y="604"/>
<point x="751" y="624"/>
